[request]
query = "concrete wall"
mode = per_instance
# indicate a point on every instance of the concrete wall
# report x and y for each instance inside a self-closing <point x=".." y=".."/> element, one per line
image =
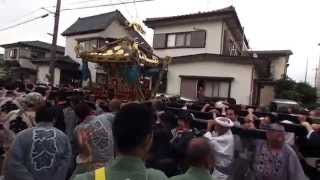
<point x="213" y="38"/>
<point x="278" y="67"/>
<point x="240" y="87"/>
<point x="43" y="71"/>
<point x="115" y="30"/>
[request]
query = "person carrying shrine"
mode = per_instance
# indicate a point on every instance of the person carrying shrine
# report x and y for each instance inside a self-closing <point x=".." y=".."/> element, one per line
<point x="222" y="140"/>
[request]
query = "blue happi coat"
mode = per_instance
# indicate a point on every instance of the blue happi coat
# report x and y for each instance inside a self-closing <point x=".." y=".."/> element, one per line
<point x="39" y="153"/>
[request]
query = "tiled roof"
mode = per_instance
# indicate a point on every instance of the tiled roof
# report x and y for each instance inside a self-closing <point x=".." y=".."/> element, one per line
<point x="214" y="12"/>
<point x="36" y="44"/>
<point x="99" y="23"/>
<point x="65" y="59"/>
<point x="63" y="62"/>
<point x="92" y="23"/>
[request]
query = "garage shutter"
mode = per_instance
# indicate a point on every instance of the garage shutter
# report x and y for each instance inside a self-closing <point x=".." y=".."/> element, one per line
<point x="159" y="41"/>
<point x="198" y="39"/>
<point x="188" y="88"/>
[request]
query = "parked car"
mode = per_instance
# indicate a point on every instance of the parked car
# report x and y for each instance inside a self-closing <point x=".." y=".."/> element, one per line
<point x="283" y="105"/>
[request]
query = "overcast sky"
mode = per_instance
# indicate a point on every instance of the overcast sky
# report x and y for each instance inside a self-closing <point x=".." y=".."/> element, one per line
<point x="269" y="24"/>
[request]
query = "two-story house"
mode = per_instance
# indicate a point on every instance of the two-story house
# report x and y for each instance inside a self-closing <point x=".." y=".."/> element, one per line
<point x="210" y="51"/>
<point x="30" y="61"/>
<point x="93" y="32"/>
<point x="269" y="65"/>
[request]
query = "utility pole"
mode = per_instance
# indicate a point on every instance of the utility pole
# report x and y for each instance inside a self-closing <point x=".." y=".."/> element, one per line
<point x="316" y="76"/>
<point x="317" y="73"/>
<point x="305" y="76"/>
<point x="54" y="42"/>
<point x="316" y="80"/>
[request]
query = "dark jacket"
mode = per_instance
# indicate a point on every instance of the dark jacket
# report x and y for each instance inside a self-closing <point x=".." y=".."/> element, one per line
<point x="314" y="139"/>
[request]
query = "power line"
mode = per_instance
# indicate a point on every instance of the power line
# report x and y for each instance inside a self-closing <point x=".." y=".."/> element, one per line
<point x="105" y="5"/>
<point x="77" y="2"/>
<point x="26" y="15"/>
<point x="135" y="7"/>
<point x="69" y="9"/>
<point x="83" y="2"/>
<point x="125" y="8"/>
<point x="24" y="22"/>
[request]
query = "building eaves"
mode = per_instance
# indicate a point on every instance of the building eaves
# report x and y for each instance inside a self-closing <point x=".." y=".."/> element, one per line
<point x="34" y="44"/>
<point x="94" y="23"/>
<point x="100" y="22"/>
<point x="271" y="53"/>
<point x="213" y="57"/>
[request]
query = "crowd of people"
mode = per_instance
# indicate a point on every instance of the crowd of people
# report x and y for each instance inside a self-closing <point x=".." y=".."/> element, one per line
<point x="62" y="137"/>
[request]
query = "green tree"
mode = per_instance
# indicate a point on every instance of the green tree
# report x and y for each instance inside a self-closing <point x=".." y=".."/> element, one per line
<point x="289" y="89"/>
<point x="308" y="94"/>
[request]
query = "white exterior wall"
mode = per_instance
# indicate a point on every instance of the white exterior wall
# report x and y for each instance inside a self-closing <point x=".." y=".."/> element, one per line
<point x="115" y="30"/>
<point x="240" y="86"/>
<point x="43" y="71"/>
<point x="278" y="67"/>
<point x="213" y="38"/>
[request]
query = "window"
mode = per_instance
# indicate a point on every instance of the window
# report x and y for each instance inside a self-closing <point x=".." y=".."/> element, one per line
<point x="171" y="40"/>
<point x="216" y="89"/>
<point x="88" y="45"/>
<point x="37" y="54"/>
<point x="188" y="39"/>
<point x="179" y="40"/>
<point x="13" y="53"/>
<point x="192" y="39"/>
<point x="192" y="87"/>
<point x="188" y="88"/>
